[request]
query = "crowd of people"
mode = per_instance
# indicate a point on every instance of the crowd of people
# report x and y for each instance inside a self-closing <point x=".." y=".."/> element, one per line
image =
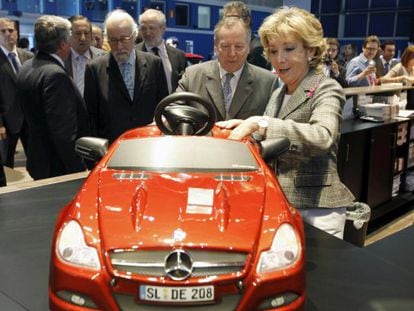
<point x="82" y="83"/>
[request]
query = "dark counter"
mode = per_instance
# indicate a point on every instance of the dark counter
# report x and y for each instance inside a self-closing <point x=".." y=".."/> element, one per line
<point x="340" y="276"/>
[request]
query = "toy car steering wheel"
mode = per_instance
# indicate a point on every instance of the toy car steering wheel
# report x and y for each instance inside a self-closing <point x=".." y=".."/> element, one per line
<point x="184" y="116"/>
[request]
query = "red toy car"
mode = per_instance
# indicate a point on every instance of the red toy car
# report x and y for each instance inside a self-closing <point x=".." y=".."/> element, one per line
<point x="173" y="217"/>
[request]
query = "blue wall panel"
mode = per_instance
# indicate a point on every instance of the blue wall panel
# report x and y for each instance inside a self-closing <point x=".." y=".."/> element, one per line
<point x="355" y="25"/>
<point x="66" y="8"/>
<point x="406" y="4"/>
<point x="383" y="4"/>
<point x="30" y="6"/>
<point x="332" y="6"/>
<point x="94" y="10"/>
<point x="10" y="6"/>
<point x="382" y="24"/>
<point x="404" y="22"/>
<point x="330" y="25"/>
<point x="356" y="4"/>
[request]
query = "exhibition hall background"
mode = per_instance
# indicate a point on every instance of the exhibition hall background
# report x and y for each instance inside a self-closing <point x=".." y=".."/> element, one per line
<point x="192" y="22"/>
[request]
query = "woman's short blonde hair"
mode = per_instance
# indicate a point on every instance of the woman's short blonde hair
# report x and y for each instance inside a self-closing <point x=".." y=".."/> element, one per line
<point x="292" y="21"/>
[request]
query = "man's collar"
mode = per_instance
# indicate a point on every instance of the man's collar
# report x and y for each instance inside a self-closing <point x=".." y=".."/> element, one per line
<point x="6" y="51"/>
<point x="364" y="58"/>
<point x="161" y="46"/>
<point x="58" y="58"/>
<point x="237" y="73"/>
<point x="75" y="54"/>
<point x="384" y="60"/>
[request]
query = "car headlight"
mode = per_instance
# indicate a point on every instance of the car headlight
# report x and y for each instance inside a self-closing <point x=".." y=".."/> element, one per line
<point x="284" y="251"/>
<point x="71" y="247"/>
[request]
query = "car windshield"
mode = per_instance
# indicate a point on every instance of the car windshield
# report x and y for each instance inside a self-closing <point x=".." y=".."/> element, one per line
<point x="183" y="154"/>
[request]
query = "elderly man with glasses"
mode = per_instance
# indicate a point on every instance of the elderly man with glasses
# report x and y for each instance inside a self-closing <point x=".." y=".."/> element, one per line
<point x="123" y="87"/>
<point x="361" y="70"/>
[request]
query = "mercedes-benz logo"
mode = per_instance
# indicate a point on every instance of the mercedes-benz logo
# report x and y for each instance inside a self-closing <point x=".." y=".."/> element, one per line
<point x="178" y="265"/>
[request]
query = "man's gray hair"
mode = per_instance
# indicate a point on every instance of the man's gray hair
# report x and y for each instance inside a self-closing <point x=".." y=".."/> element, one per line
<point x="50" y="31"/>
<point x="120" y="15"/>
<point x="159" y="16"/>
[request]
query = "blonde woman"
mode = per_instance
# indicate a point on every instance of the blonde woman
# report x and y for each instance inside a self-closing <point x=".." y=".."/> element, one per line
<point x="307" y="110"/>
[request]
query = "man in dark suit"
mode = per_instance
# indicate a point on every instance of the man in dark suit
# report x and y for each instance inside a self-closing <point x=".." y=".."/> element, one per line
<point x="52" y="105"/>
<point x="152" y="24"/>
<point x="247" y="89"/>
<point x="385" y="58"/>
<point x="123" y="88"/>
<point x="11" y="116"/>
<point x="82" y="50"/>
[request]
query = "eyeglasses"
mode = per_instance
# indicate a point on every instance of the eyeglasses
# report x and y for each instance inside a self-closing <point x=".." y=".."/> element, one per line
<point x="10" y="30"/>
<point x="371" y="49"/>
<point x="123" y="40"/>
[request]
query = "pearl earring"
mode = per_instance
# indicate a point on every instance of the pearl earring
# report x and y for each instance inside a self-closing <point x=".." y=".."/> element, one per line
<point x="309" y="59"/>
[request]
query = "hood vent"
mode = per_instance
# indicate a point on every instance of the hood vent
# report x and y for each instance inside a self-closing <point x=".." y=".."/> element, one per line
<point x="138" y="207"/>
<point x="130" y="176"/>
<point x="239" y="178"/>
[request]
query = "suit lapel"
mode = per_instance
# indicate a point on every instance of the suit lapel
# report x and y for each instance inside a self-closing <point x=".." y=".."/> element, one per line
<point x="245" y="87"/>
<point x="172" y="57"/>
<point x="303" y="92"/>
<point x="214" y="89"/>
<point x="95" y="52"/>
<point x="175" y="75"/>
<point x="68" y="66"/>
<point x="5" y="64"/>
<point x="141" y="73"/>
<point x="23" y="57"/>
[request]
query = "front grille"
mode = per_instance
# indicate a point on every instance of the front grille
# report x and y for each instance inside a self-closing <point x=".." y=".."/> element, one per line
<point x="151" y="263"/>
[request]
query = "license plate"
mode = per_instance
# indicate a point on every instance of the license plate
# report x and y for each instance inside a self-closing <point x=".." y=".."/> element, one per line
<point x="176" y="294"/>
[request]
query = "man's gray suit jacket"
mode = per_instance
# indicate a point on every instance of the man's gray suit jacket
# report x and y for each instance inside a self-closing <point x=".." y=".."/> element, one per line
<point x="250" y="98"/>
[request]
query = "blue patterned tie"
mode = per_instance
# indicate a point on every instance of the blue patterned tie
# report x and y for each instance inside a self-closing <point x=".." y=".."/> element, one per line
<point x="128" y="78"/>
<point x="12" y="57"/>
<point x="80" y="72"/>
<point x="227" y="91"/>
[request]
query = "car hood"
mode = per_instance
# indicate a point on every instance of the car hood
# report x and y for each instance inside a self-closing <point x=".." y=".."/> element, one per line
<point x="150" y="210"/>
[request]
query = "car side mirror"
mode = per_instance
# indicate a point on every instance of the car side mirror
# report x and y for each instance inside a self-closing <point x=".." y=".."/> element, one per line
<point x="273" y="148"/>
<point x="91" y="148"/>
